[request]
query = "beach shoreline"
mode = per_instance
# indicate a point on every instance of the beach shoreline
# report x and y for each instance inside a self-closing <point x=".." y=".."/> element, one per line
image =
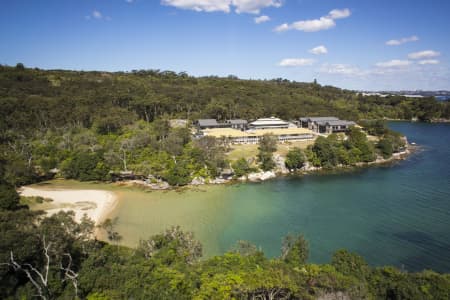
<point x="96" y="204"/>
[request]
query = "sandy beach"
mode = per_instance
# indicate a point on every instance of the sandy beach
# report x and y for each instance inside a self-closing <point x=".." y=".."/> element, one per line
<point x="95" y="203"/>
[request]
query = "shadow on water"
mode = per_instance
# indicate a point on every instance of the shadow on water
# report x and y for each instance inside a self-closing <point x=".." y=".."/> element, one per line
<point x="429" y="251"/>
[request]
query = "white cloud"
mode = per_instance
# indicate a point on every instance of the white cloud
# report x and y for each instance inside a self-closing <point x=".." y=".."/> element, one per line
<point x="97" y="15"/>
<point x="254" y="6"/>
<point x="314" y="25"/>
<point x="200" y="5"/>
<point x="261" y="19"/>
<point x="129" y="1"/>
<point x="296" y="62"/>
<point x="340" y="69"/>
<point x="429" y="62"/>
<point x="241" y="6"/>
<point x="323" y="23"/>
<point x="409" y="77"/>
<point x="424" y="54"/>
<point x="402" y="41"/>
<point x="282" y="27"/>
<point x="319" y="50"/>
<point x="339" y="13"/>
<point x="388" y="70"/>
<point x="395" y="63"/>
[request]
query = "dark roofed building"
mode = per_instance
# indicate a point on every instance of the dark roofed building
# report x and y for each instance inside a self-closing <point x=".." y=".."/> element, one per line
<point x="238" y="124"/>
<point x="325" y="124"/>
<point x="307" y="122"/>
<point x="335" y="126"/>
<point x="340" y="123"/>
<point x="210" y="123"/>
<point x="322" y="119"/>
<point x="207" y="122"/>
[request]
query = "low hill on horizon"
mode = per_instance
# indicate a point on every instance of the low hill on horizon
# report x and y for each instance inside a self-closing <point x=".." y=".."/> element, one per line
<point x="42" y="99"/>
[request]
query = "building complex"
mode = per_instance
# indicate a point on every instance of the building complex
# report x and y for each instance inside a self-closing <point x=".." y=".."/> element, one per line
<point x="253" y="136"/>
<point x="326" y="125"/>
<point x="240" y="131"/>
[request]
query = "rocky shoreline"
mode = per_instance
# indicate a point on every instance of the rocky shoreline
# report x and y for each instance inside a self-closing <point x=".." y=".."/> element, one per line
<point x="279" y="171"/>
<point x="434" y="120"/>
<point x="440" y="120"/>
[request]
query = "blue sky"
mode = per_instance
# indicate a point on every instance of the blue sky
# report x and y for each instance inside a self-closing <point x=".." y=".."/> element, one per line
<point x="358" y="44"/>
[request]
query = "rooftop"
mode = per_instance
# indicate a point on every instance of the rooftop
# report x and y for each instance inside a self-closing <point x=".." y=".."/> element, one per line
<point x="319" y="119"/>
<point x="207" y="122"/>
<point x="269" y="121"/>
<point x="237" y="121"/>
<point x="337" y="123"/>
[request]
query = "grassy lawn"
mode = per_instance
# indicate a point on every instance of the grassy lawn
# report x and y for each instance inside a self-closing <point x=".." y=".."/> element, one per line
<point x="242" y="151"/>
<point x="246" y="151"/>
<point x="283" y="149"/>
<point x="373" y="138"/>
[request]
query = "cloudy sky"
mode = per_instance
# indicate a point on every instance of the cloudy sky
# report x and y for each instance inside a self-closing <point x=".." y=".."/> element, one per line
<point x="355" y="44"/>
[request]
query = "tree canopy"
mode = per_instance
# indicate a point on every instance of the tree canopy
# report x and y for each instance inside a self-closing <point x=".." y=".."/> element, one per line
<point x="89" y="125"/>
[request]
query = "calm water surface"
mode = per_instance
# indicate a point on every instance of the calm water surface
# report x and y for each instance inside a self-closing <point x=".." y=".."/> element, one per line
<point x="397" y="215"/>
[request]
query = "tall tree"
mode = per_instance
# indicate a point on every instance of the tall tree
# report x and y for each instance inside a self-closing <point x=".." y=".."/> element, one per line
<point x="267" y="145"/>
<point x="295" y="250"/>
<point x="295" y="159"/>
<point x="9" y="199"/>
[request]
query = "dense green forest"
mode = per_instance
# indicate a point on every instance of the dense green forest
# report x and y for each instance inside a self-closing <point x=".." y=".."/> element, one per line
<point x="89" y="124"/>
<point x="38" y="99"/>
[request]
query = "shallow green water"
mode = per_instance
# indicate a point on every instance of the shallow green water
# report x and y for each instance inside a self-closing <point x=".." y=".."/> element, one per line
<point x="397" y="215"/>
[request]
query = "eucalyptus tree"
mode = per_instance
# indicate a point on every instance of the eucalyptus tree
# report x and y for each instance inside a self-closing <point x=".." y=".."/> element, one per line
<point x="267" y="145"/>
<point x="295" y="159"/>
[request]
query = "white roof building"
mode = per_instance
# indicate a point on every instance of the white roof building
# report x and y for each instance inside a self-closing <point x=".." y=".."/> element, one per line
<point x="267" y="123"/>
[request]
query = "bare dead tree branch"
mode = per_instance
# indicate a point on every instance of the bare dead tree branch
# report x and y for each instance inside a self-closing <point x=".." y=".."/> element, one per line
<point x="16" y="266"/>
<point x="69" y="274"/>
<point x="41" y="282"/>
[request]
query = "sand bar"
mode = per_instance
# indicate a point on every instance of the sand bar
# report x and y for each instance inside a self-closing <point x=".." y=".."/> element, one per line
<point x="97" y="204"/>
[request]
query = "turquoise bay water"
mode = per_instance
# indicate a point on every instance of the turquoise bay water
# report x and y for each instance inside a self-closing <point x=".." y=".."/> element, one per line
<point x="397" y="215"/>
